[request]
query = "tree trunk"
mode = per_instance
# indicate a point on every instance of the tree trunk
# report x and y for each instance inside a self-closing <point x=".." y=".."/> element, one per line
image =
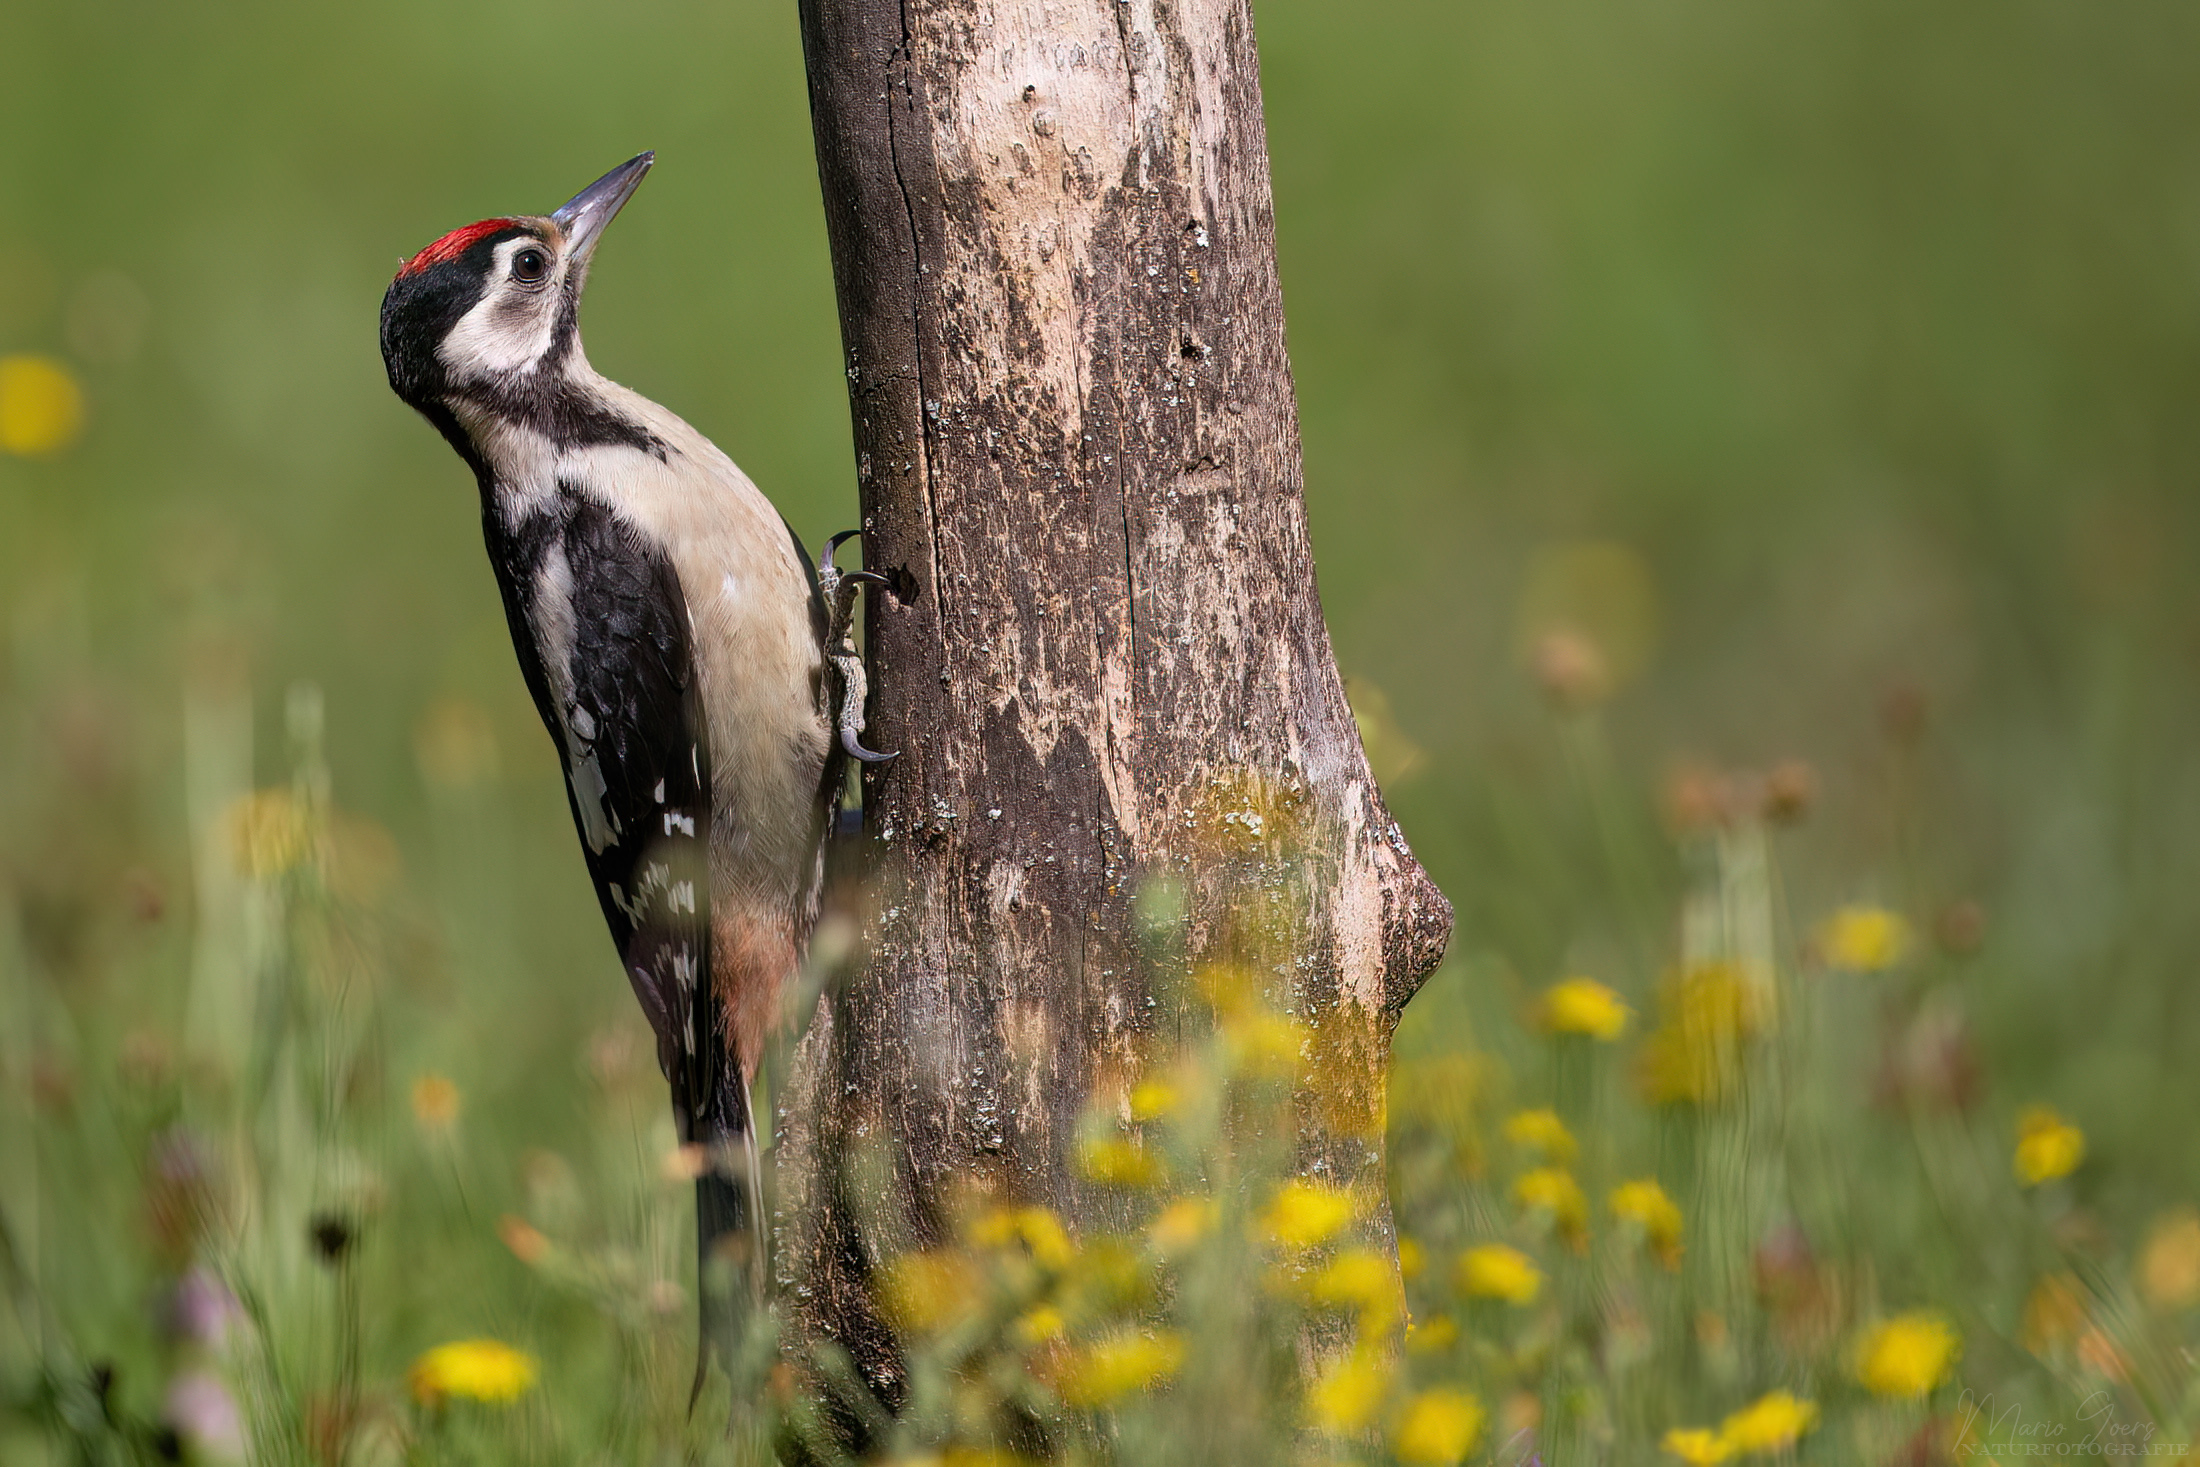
<point x="1106" y="665"/>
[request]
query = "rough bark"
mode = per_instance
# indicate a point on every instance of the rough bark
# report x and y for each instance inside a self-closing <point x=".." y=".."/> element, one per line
<point x="1053" y="241"/>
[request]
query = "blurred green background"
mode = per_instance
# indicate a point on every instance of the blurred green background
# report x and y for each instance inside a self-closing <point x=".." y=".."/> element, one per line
<point x="1835" y="361"/>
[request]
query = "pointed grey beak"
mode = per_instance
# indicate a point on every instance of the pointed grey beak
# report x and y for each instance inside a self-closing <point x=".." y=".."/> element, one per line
<point x="583" y="217"/>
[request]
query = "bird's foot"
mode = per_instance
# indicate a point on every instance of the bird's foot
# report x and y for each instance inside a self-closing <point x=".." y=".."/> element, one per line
<point x="840" y="589"/>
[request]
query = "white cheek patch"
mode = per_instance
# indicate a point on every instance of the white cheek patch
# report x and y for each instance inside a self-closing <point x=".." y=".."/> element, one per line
<point x="509" y="329"/>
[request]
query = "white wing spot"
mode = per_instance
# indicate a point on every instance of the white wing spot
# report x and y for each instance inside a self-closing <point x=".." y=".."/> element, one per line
<point x="674" y="820"/>
<point x="588" y="792"/>
<point x="683" y="896"/>
<point x="583" y="722"/>
<point x="660" y="795"/>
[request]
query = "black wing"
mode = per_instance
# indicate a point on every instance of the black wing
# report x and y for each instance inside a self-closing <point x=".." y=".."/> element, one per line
<point x="636" y="747"/>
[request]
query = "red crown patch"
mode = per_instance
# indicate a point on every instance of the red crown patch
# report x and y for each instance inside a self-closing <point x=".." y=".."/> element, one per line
<point x="454" y="244"/>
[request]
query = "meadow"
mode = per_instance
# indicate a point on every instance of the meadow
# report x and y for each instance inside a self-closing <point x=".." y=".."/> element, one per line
<point x="1749" y="456"/>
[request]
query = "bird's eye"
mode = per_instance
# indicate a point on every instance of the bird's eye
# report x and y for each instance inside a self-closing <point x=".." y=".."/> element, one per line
<point x="530" y="265"/>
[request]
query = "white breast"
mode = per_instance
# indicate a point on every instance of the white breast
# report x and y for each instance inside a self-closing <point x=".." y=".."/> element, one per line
<point x="755" y="643"/>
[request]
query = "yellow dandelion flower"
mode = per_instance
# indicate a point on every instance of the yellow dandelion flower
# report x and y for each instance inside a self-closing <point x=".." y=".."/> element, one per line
<point x="1109" y="1274"/>
<point x="1153" y="1099"/>
<point x="473" y="1370"/>
<point x="1908" y="1355"/>
<point x="269" y="832"/>
<point x="1306" y="1214"/>
<point x="1265" y="1045"/>
<point x="1644" y="1203"/>
<point x="1356" y="1278"/>
<point x="1037" y="1326"/>
<point x="1495" y="1271"/>
<point x="965" y="1456"/>
<point x="2048" y="1146"/>
<point x="1771" y="1423"/>
<point x="1037" y="1230"/>
<point x="927" y="1292"/>
<point x="2169" y="1265"/>
<point x="1699" y="1446"/>
<point x="1229" y="988"/>
<point x="41" y="406"/>
<point x="1181" y="1224"/>
<point x="1438" y="1428"/>
<point x="1435" y="1333"/>
<point x="1584" y="1006"/>
<point x="1118" y="1161"/>
<point x="1694" y="1056"/>
<point x="526" y="1241"/>
<point x="1412" y="1257"/>
<point x="1860" y="939"/>
<point x="1541" y="1131"/>
<point x="435" y="1101"/>
<point x="1556" y="1194"/>
<point x="1346" y="1395"/>
<point x="1109" y="1369"/>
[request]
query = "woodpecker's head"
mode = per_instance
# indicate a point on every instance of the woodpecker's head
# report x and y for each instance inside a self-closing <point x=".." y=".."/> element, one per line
<point x="491" y="311"/>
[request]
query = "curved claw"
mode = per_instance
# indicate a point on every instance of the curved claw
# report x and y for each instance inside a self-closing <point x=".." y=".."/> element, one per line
<point x="856" y="750"/>
<point x="832" y="548"/>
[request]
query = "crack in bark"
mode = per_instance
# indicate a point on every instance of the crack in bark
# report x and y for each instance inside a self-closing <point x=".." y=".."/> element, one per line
<point x="925" y="388"/>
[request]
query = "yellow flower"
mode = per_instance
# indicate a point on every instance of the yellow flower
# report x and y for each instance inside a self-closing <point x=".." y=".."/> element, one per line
<point x="1908" y="1355"/>
<point x="1117" y="1161"/>
<point x="1699" y="1446"/>
<point x="41" y="407"/>
<point x="1694" y="1056"/>
<point x="1153" y="1099"/>
<point x="1541" y="1130"/>
<point x="1266" y="1045"/>
<point x="1438" y="1428"/>
<point x="1306" y="1214"/>
<point x="2048" y="1147"/>
<point x="476" y="1370"/>
<point x="1229" y="988"/>
<point x="1584" y="1006"/>
<point x="1181" y="1224"/>
<point x="1772" y="1423"/>
<point x="1644" y="1203"/>
<point x="927" y="1292"/>
<point x="1362" y="1279"/>
<point x="1412" y="1257"/>
<point x="1112" y="1368"/>
<point x="1863" y="939"/>
<point x="1551" y="1191"/>
<point x="1427" y="1336"/>
<point x="1494" y="1271"/>
<point x="1037" y="1326"/>
<point x="1345" y="1398"/>
<point x="966" y="1456"/>
<point x="435" y="1101"/>
<point x="2169" y="1266"/>
<point x="269" y="832"/>
<point x="1038" y="1230"/>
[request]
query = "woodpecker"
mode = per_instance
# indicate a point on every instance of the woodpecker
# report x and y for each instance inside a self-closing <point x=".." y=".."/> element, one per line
<point x="691" y="664"/>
